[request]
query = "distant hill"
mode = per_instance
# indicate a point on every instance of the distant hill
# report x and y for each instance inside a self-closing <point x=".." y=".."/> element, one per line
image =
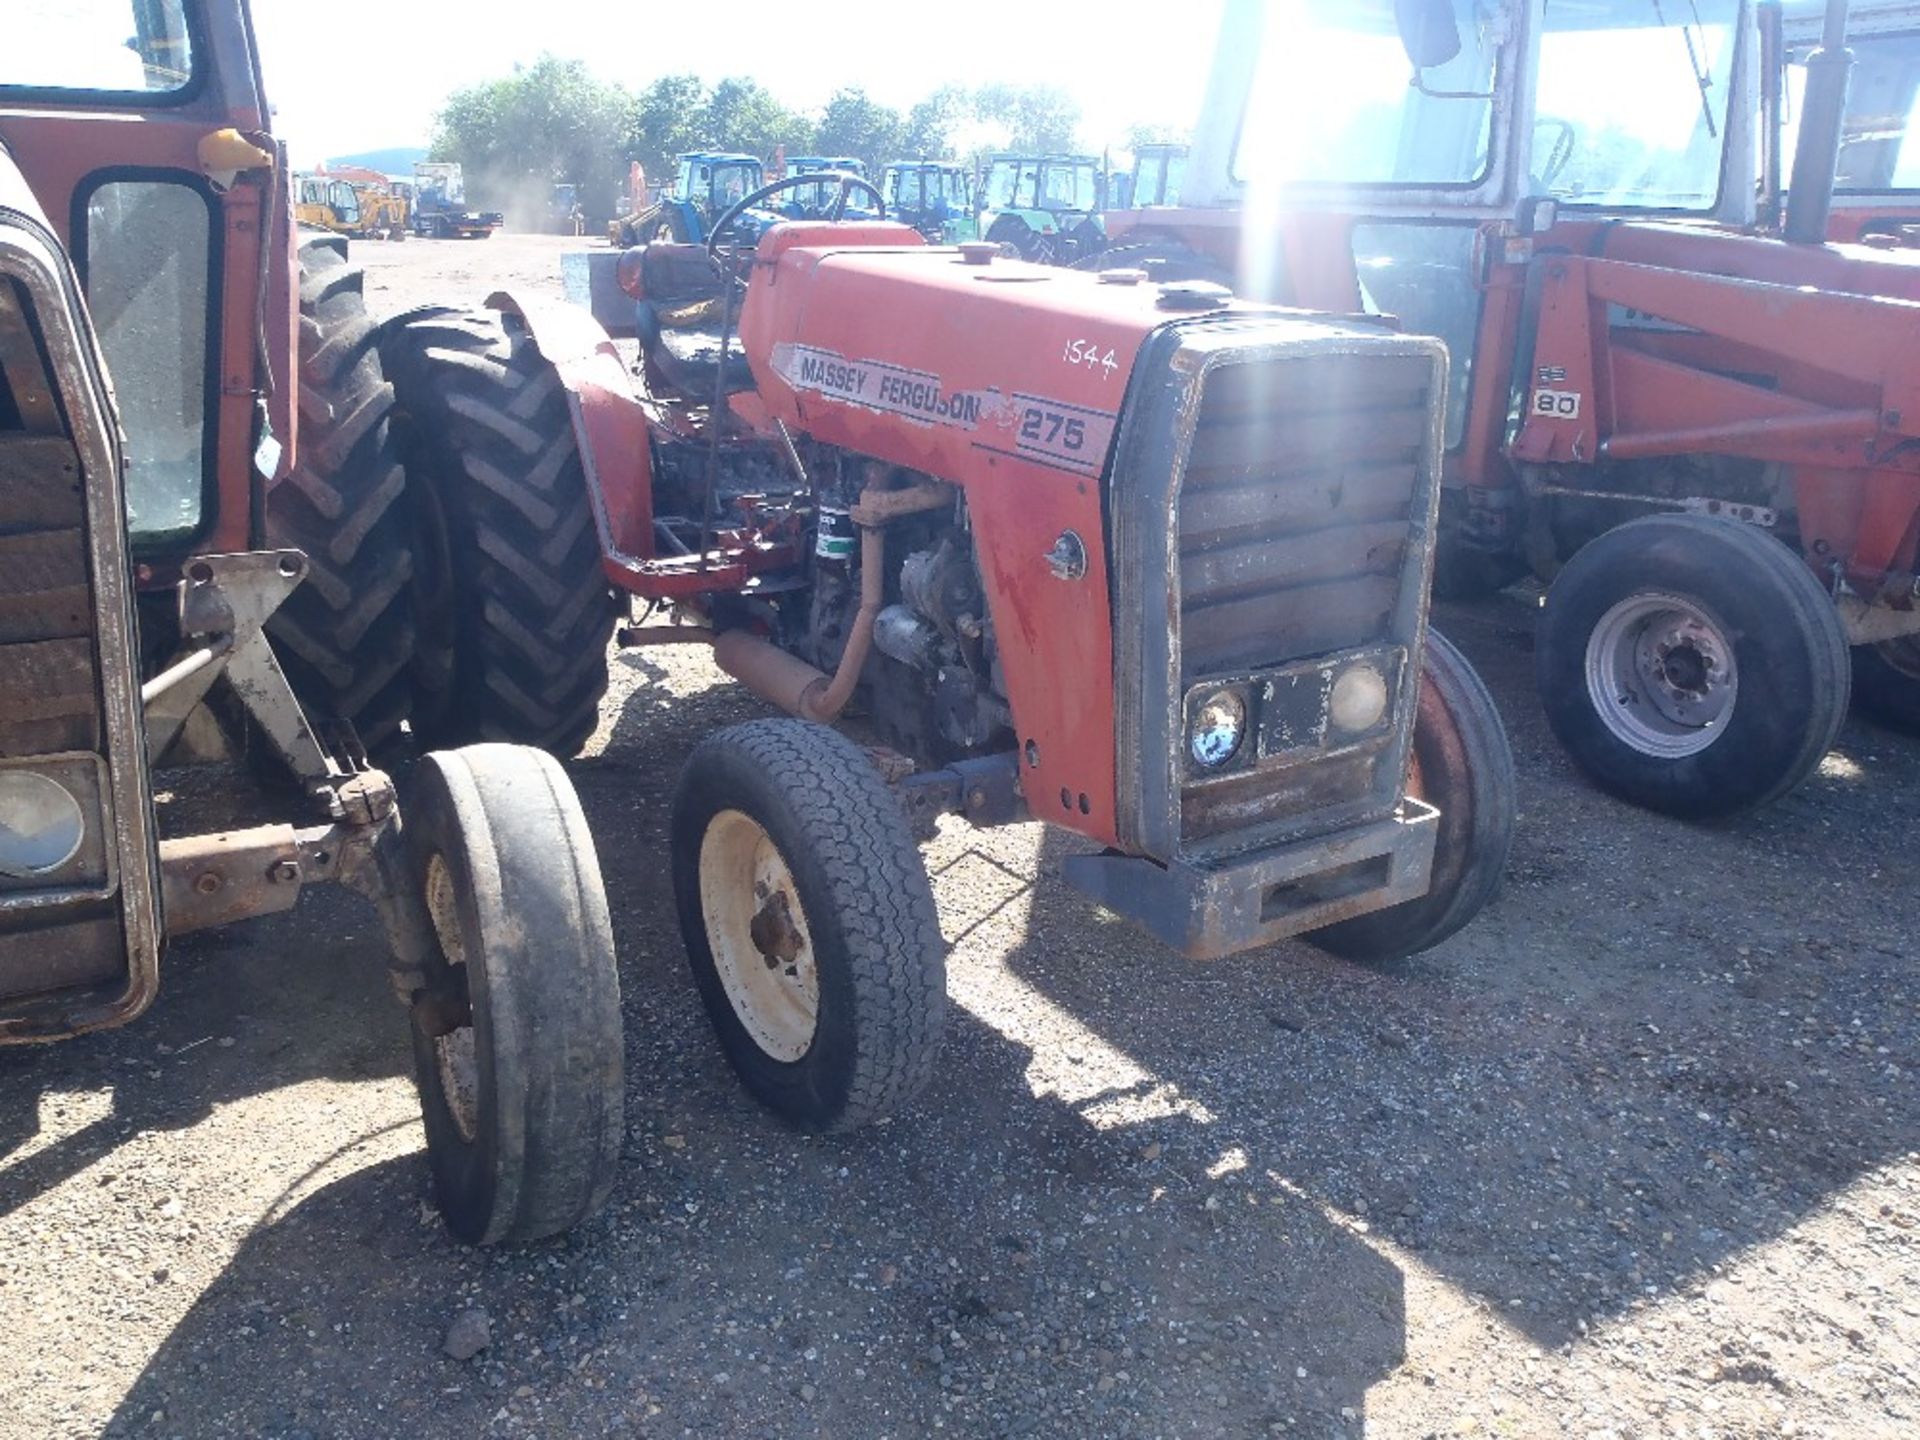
<point x="396" y="160"/>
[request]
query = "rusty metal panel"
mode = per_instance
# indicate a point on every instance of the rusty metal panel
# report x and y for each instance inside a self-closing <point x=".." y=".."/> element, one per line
<point x="45" y="959"/>
<point x="46" y="679"/>
<point x="43" y="586"/>
<point x="40" y="478"/>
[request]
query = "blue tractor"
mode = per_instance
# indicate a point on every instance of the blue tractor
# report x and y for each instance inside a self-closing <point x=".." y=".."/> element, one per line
<point x="704" y="185"/>
<point x="811" y="202"/>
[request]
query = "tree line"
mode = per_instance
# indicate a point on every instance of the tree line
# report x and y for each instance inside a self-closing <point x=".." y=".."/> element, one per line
<point x="554" y="121"/>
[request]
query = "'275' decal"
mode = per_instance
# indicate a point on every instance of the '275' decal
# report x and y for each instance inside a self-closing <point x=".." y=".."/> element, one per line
<point x="1051" y="432"/>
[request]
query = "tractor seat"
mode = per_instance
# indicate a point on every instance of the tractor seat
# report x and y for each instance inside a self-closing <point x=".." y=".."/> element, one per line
<point x="672" y="275"/>
<point x="688" y="359"/>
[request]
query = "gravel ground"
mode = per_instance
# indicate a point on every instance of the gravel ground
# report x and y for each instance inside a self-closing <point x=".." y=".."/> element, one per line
<point x="1637" y="1154"/>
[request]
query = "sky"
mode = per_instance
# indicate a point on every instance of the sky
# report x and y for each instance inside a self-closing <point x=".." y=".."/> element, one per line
<point x="377" y="70"/>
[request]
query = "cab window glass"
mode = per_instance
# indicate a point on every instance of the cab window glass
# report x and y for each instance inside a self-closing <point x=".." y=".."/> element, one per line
<point x="99" y="46"/>
<point x="1336" y="101"/>
<point x="147" y="254"/>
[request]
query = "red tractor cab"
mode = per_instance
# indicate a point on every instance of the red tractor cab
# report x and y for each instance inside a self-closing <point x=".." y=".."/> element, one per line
<point x="1669" y="400"/>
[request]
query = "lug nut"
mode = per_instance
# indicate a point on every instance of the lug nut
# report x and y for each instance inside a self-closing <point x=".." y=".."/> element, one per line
<point x="206" y="883"/>
<point x="284" y="872"/>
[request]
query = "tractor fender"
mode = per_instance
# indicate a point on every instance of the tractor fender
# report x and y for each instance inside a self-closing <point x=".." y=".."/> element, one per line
<point x="609" y="425"/>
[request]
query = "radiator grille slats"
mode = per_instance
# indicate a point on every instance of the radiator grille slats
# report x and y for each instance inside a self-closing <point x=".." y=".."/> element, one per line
<point x="1295" y="508"/>
<point x="49" y="693"/>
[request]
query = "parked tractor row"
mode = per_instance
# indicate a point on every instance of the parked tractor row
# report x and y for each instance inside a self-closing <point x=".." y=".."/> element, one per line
<point x="1046" y="208"/>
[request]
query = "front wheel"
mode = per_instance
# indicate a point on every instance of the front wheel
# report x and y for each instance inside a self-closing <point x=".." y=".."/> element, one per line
<point x="1463" y="767"/>
<point x="517" y="1042"/>
<point x="809" y="923"/>
<point x="1692" y="665"/>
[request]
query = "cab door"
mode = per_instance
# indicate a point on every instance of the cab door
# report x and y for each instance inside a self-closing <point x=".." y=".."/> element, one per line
<point x="166" y="237"/>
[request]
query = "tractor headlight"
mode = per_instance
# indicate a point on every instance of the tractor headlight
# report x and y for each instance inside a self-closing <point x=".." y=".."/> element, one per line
<point x="1359" y="699"/>
<point x="42" y="824"/>
<point x="1218" y="727"/>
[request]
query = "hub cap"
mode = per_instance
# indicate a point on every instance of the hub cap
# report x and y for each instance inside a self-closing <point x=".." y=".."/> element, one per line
<point x="454" y="1054"/>
<point x="1661" y="675"/>
<point x="758" y="933"/>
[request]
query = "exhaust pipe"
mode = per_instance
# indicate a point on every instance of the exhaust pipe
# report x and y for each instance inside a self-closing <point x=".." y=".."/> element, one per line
<point x="790" y="682"/>
<point x="1823" y="114"/>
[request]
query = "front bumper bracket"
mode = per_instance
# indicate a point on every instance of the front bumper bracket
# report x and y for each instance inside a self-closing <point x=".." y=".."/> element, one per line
<point x="1206" y="911"/>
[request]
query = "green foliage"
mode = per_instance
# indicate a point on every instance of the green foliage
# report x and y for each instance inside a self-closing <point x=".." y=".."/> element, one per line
<point x="549" y="122"/>
<point x="667" y="120"/>
<point x="855" y="125"/>
<point x="1034" y="118"/>
<point x="931" y="125"/>
<point x="743" y="115"/>
<point x="554" y="122"/>
<point x="1138" y="135"/>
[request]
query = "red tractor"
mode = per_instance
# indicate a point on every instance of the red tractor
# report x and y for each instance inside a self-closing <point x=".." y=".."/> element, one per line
<point x="200" y="500"/>
<point x="1670" y="398"/>
<point x="1137" y="560"/>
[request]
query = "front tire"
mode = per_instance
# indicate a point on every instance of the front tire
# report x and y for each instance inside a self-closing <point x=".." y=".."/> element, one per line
<point x="1692" y="665"/>
<point x="809" y="923"/>
<point x="1464" y="769"/>
<point x="515" y="614"/>
<point x="523" y="1102"/>
<point x="345" y="636"/>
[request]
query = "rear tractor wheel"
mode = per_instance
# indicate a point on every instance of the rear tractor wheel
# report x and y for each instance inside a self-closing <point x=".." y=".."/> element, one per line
<point x="346" y="635"/>
<point x="1886" y="682"/>
<point x="517" y="1041"/>
<point x="1692" y="665"/>
<point x="1463" y="767"/>
<point x="809" y="923"/>
<point x="514" y="612"/>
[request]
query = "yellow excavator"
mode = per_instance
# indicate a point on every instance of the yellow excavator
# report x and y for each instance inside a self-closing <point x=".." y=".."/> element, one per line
<point x="361" y="209"/>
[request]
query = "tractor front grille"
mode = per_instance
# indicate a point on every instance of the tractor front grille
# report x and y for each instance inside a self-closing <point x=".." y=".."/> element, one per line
<point x="1273" y="500"/>
<point x="1295" y="506"/>
<point x="79" y="916"/>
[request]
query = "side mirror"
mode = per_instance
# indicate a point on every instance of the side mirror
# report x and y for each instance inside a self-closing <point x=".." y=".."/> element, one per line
<point x="1428" y="31"/>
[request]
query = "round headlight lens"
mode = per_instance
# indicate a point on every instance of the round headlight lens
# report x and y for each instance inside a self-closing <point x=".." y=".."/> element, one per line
<point x="1359" y="699"/>
<point x="1219" y="725"/>
<point x="41" y="824"/>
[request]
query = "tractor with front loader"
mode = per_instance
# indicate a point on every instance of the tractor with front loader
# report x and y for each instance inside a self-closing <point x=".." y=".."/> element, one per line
<point x="1671" y="400"/>
<point x="203" y="512"/>
<point x="705" y="185"/>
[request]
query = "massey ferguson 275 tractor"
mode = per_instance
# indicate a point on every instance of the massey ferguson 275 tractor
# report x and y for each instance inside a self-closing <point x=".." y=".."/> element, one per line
<point x="1670" y="398"/>
<point x="1139" y="561"/>
<point x="198" y="485"/>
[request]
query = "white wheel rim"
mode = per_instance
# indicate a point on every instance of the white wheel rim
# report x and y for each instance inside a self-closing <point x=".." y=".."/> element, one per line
<point x="758" y="934"/>
<point x="1661" y="675"/>
<point x="454" y="1054"/>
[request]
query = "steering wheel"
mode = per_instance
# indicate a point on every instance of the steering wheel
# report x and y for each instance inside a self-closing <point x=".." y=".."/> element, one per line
<point x="848" y="183"/>
<point x="1561" y="151"/>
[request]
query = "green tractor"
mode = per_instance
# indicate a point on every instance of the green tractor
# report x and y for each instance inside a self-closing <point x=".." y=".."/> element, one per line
<point x="1045" y="207"/>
